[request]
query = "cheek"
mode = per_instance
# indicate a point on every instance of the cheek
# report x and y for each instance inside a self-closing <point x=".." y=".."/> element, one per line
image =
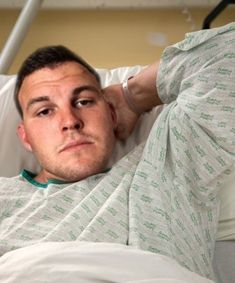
<point x="39" y="136"/>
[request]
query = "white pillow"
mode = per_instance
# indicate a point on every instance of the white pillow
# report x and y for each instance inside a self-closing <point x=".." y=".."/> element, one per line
<point x="226" y="228"/>
<point x="13" y="156"/>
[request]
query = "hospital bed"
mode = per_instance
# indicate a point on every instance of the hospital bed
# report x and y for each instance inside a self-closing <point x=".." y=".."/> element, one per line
<point x="13" y="158"/>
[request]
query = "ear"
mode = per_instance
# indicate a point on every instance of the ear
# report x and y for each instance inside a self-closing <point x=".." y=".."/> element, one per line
<point x="23" y="136"/>
<point x="113" y="116"/>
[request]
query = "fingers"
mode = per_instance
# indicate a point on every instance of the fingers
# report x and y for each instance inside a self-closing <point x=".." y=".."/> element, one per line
<point x="112" y="94"/>
<point x="126" y="118"/>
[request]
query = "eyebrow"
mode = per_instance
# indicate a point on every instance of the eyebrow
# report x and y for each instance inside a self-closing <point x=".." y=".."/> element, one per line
<point x="80" y="89"/>
<point x="36" y="100"/>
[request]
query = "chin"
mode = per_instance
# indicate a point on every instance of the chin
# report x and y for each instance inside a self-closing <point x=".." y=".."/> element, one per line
<point x="75" y="169"/>
<point x="76" y="177"/>
<point x="81" y="172"/>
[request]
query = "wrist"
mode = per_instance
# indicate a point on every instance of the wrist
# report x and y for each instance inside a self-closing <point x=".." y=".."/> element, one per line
<point x="140" y="91"/>
<point x="128" y="96"/>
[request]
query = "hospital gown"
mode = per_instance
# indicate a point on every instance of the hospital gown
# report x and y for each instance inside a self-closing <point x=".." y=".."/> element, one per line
<point x="162" y="196"/>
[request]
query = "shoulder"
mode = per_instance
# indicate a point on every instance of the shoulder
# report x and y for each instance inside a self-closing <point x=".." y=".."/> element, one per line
<point x="203" y="37"/>
<point x="12" y="185"/>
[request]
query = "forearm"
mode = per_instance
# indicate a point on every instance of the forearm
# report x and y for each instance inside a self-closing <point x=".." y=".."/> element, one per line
<point x="142" y="89"/>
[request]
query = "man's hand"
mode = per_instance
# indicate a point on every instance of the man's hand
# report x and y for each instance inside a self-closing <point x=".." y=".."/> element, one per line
<point x="142" y="93"/>
<point x="126" y="118"/>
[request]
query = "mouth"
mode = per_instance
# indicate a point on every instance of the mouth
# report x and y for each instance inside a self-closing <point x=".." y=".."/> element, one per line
<point x="75" y="145"/>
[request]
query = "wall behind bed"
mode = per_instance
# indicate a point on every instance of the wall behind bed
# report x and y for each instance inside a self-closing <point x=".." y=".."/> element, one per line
<point x="107" y="38"/>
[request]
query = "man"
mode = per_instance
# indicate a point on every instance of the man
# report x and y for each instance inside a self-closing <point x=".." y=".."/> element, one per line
<point x="162" y="197"/>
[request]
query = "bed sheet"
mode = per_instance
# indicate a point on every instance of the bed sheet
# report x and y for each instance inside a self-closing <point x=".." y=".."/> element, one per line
<point x="88" y="262"/>
<point x="224" y="261"/>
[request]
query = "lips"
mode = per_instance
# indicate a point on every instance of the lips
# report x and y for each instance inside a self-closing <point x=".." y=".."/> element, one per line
<point x="75" y="144"/>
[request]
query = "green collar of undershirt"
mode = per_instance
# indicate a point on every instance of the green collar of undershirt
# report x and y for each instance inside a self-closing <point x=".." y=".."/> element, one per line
<point x="29" y="176"/>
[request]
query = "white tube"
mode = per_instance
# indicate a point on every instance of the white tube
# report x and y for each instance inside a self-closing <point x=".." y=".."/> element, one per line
<point x="18" y="34"/>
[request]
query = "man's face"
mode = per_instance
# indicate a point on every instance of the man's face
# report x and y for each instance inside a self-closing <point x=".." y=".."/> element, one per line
<point x="67" y="124"/>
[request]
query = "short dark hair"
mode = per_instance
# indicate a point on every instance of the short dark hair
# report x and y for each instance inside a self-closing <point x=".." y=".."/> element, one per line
<point x="47" y="57"/>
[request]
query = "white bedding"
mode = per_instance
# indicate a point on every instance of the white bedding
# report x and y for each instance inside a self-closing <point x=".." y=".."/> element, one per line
<point x="86" y="262"/>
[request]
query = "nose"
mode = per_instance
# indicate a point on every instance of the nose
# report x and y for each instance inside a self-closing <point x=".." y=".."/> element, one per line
<point x="71" y="121"/>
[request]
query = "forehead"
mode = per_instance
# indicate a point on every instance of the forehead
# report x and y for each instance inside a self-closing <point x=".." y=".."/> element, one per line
<point x="69" y="72"/>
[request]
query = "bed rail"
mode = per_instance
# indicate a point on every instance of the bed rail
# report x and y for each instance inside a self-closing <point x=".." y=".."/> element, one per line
<point x="18" y="34"/>
<point x="215" y="12"/>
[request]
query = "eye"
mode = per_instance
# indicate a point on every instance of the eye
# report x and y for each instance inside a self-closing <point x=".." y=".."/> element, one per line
<point x="44" y="112"/>
<point x="83" y="102"/>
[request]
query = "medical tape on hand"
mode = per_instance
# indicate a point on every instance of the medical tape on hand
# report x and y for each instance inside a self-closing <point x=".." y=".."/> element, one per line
<point x="127" y="96"/>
